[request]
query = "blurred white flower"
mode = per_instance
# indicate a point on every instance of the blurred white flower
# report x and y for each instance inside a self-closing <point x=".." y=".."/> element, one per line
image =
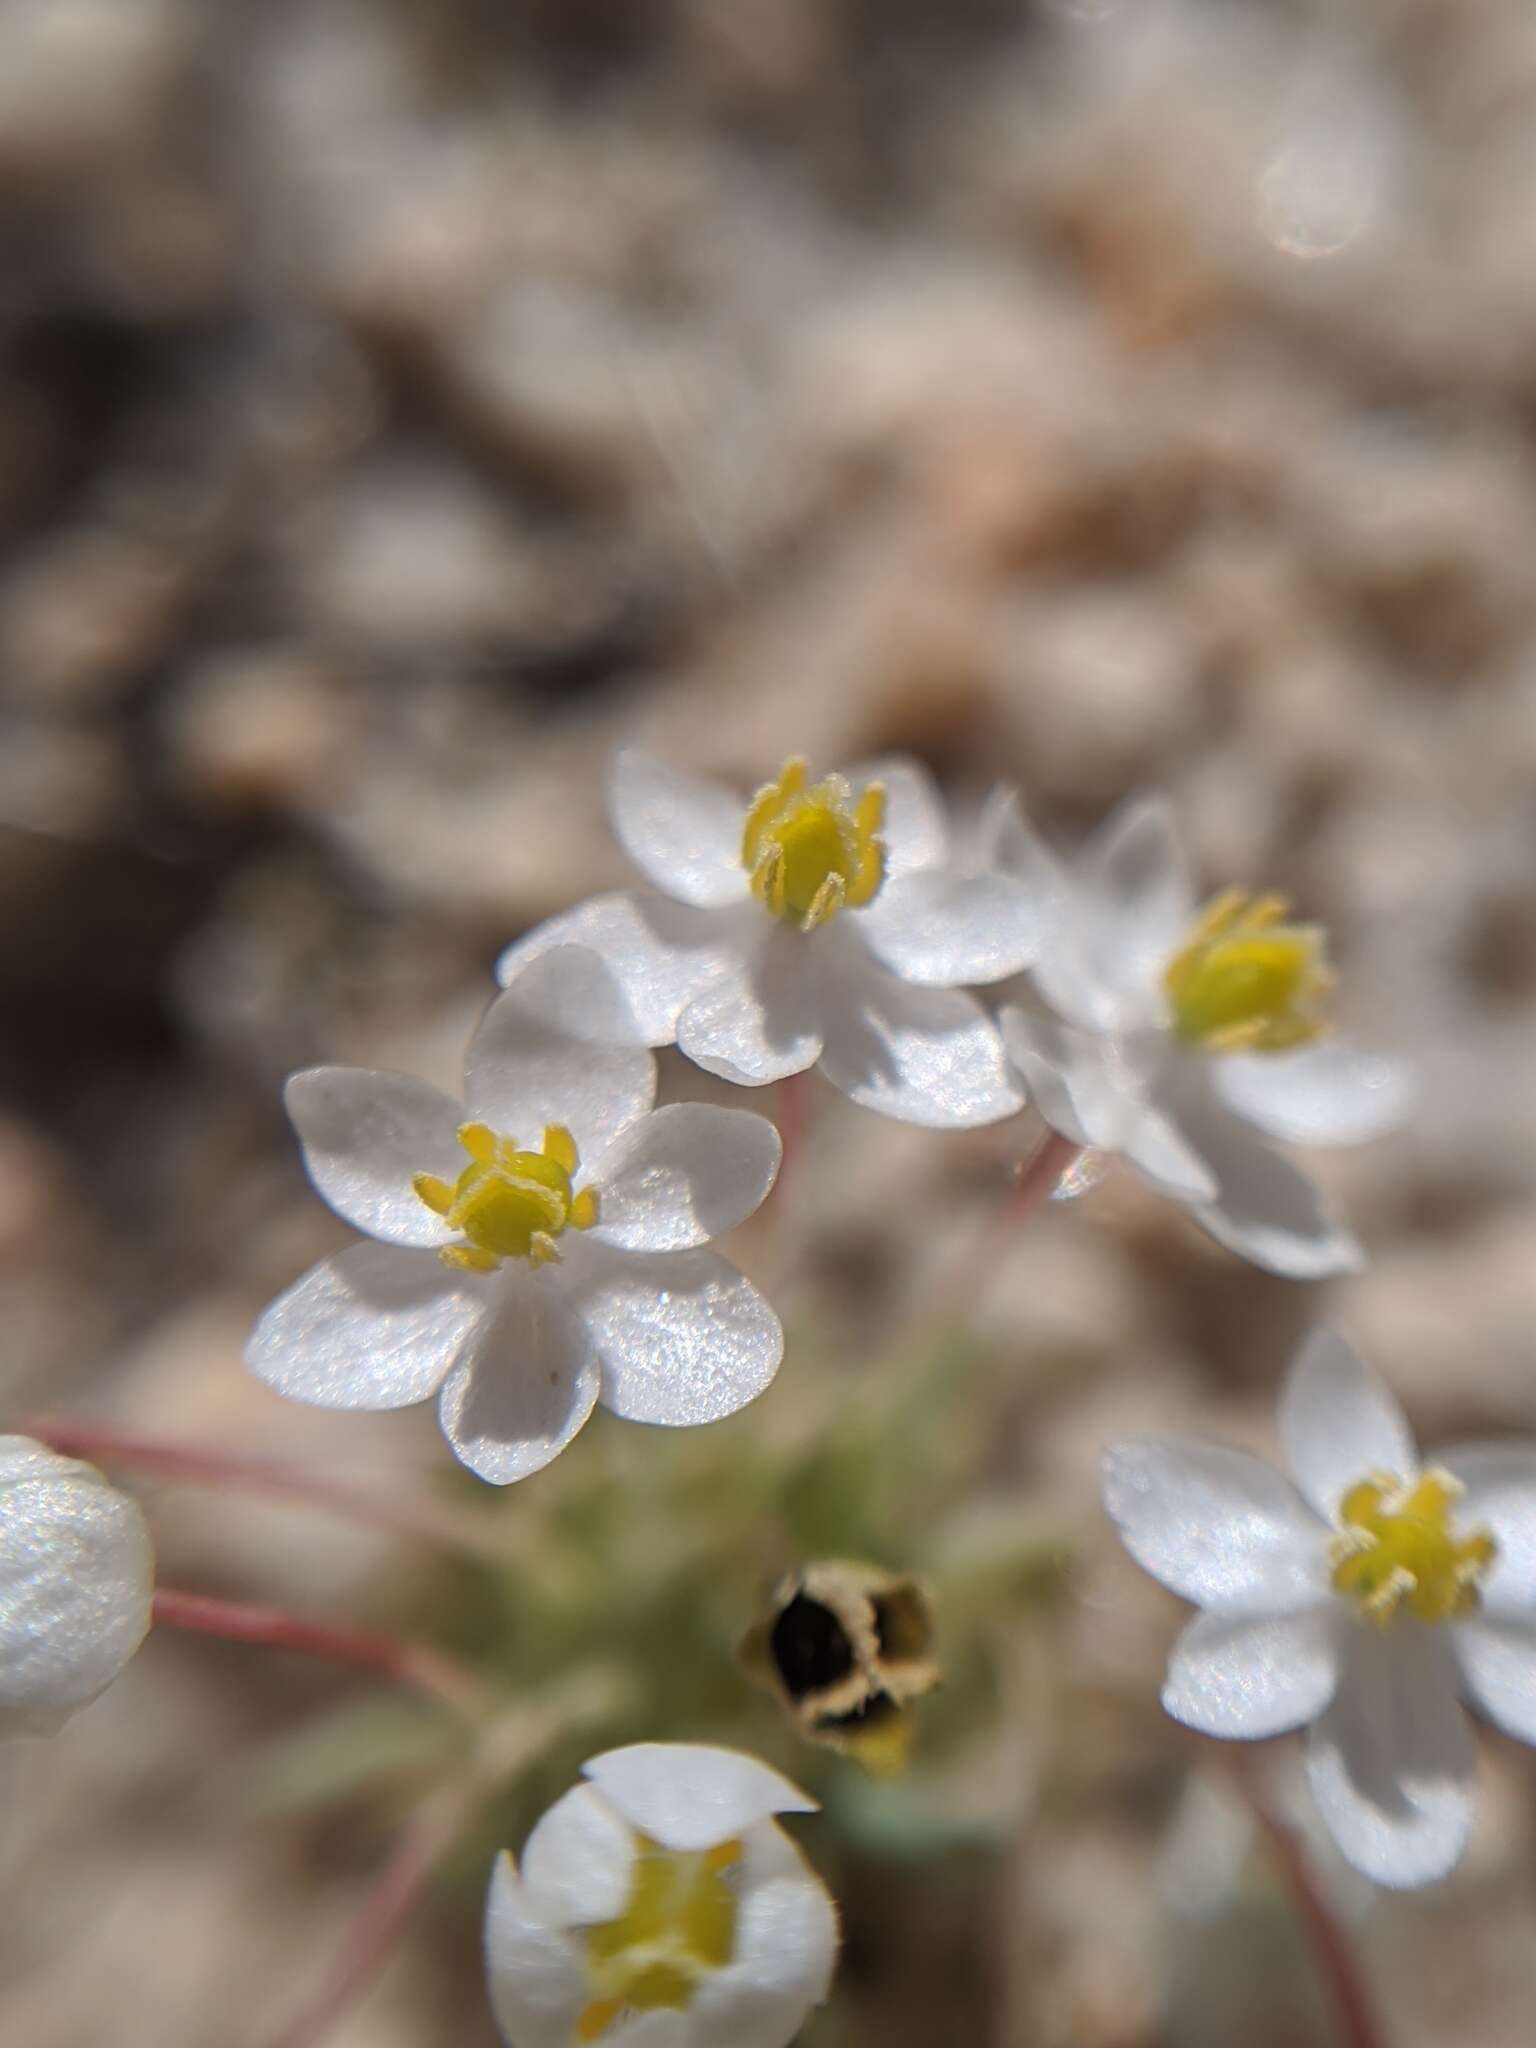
<point x="540" y="1247"/>
<point x="659" y="1905"/>
<point x="76" y="1584"/>
<point x="828" y="922"/>
<point x="1364" y="1599"/>
<point x="1184" y="1039"/>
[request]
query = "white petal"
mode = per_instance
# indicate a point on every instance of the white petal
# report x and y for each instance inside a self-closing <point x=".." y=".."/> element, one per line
<point x="925" y="1055"/>
<point x="1074" y="1078"/>
<point x="1265" y="1211"/>
<point x="682" y="1175"/>
<point x="1500" y="1482"/>
<point x="1161" y="1153"/>
<point x="786" y="1946"/>
<point x="1136" y="894"/>
<point x="537" y="1974"/>
<point x="76" y="1581"/>
<point x="1498" y="1670"/>
<point x="1249" y="1676"/>
<point x="1327" y="1094"/>
<point x="1215" y="1526"/>
<point x="1339" y="1424"/>
<point x="916" y="829"/>
<point x="1008" y="842"/>
<point x="682" y="832"/>
<point x="939" y="928"/>
<point x="689" y="1795"/>
<point x="365" y="1135"/>
<point x="757" y="1022"/>
<point x="662" y="953"/>
<point x="525" y="1387"/>
<point x="532" y="1062"/>
<point x="579" y="1860"/>
<point x="376" y="1326"/>
<point x="682" y="1337"/>
<point x="1392" y="1763"/>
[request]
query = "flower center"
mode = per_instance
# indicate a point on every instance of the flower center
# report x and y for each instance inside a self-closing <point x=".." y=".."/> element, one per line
<point x="1245" y="980"/>
<point x="812" y="850"/>
<point x="1398" y="1549"/>
<point x="509" y="1204"/>
<point x="678" y="1925"/>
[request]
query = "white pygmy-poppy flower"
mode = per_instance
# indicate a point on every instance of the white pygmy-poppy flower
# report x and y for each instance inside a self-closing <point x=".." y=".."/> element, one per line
<point x="826" y="923"/>
<point x="539" y="1247"/>
<point x="76" y="1585"/>
<point x="1364" y="1599"/>
<point x="659" y="1905"/>
<point x="1187" y="1040"/>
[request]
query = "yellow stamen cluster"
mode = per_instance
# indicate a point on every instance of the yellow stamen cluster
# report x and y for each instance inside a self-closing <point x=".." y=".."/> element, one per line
<point x="509" y="1204"/>
<point x="1245" y="980"/>
<point x="812" y="850"/>
<point x="678" y="1924"/>
<point x="1398" y="1550"/>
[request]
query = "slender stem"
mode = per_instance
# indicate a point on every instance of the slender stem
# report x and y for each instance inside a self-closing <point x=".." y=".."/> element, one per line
<point x="792" y="1099"/>
<point x="388" y="1904"/>
<point x="1337" y="1963"/>
<point x="213" y="1466"/>
<point x="1038" y="1180"/>
<point x="413" y="1664"/>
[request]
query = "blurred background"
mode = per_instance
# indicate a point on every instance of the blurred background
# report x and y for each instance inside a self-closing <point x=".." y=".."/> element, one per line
<point x="401" y="404"/>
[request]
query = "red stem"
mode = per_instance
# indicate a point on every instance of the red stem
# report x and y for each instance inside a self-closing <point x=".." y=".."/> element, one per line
<point x="389" y="1903"/>
<point x="1337" y="1963"/>
<point x="212" y="1466"/>
<point x="1038" y="1180"/>
<point x="411" y="1664"/>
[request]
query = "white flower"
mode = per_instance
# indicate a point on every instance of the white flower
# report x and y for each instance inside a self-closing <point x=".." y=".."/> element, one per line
<point x="1184" y="1041"/>
<point x="826" y="923"/>
<point x="1364" y="1599"/>
<point x="660" y="1906"/>
<point x="539" y="1247"/>
<point x="76" y="1584"/>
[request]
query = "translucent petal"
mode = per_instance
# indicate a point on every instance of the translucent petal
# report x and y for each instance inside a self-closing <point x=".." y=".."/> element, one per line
<point x="759" y="1021"/>
<point x="1161" y="1153"/>
<point x="537" y="1974"/>
<point x="535" y="1061"/>
<point x="681" y="831"/>
<point x="76" y="1581"/>
<point x="578" y="1861"/>
<point x="1136" y="895"/>
<point x="938" y="928"/>
<point x="1497" y="1657"/>
<point x="689" y="1795"/>
<point x="1249" y="1676"/>
<point x="525" y="1387"/>
<point x="682" y="1337"/>
<point x="682" y="1175"/>
<point x="1339" y="1424"/>
<point x="1073" y="1078"/>
<point x="365" y="1135"/>
<point x="1216" y="1526"/>
<point x="1391" y="1762"/>
<point x="663" y="954"/>
<point x="375" y="1327"/>
<point x="1008" y="842"/>
<point x="926" y="1056"/>
<point x="1324" y="1094"/>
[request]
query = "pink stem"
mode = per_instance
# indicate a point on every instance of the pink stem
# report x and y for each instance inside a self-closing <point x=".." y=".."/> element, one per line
<point x="793" y="1102"/>
<point x="1337" y="1963"/>
<point x="389" y="1903"/>
<point x="411" y="1664"/>
<point x="1038" y="1180"/>
<point x="212" y="1466"/>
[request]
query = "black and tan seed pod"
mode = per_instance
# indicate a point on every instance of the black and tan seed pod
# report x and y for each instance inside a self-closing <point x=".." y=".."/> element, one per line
<point x="844" y="1647"/>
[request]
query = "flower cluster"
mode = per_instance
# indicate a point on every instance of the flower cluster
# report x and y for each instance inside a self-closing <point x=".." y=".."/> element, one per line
<point x="544" y="1243"/>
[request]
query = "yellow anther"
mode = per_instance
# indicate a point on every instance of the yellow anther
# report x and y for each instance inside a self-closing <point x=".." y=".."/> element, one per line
<point x="812" y="849"/>
<point x="1245" y="980"/>
<point x="1398" y="1550"/>
<point x="678" y="1925"/>
<point x="507" y="1203"/>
